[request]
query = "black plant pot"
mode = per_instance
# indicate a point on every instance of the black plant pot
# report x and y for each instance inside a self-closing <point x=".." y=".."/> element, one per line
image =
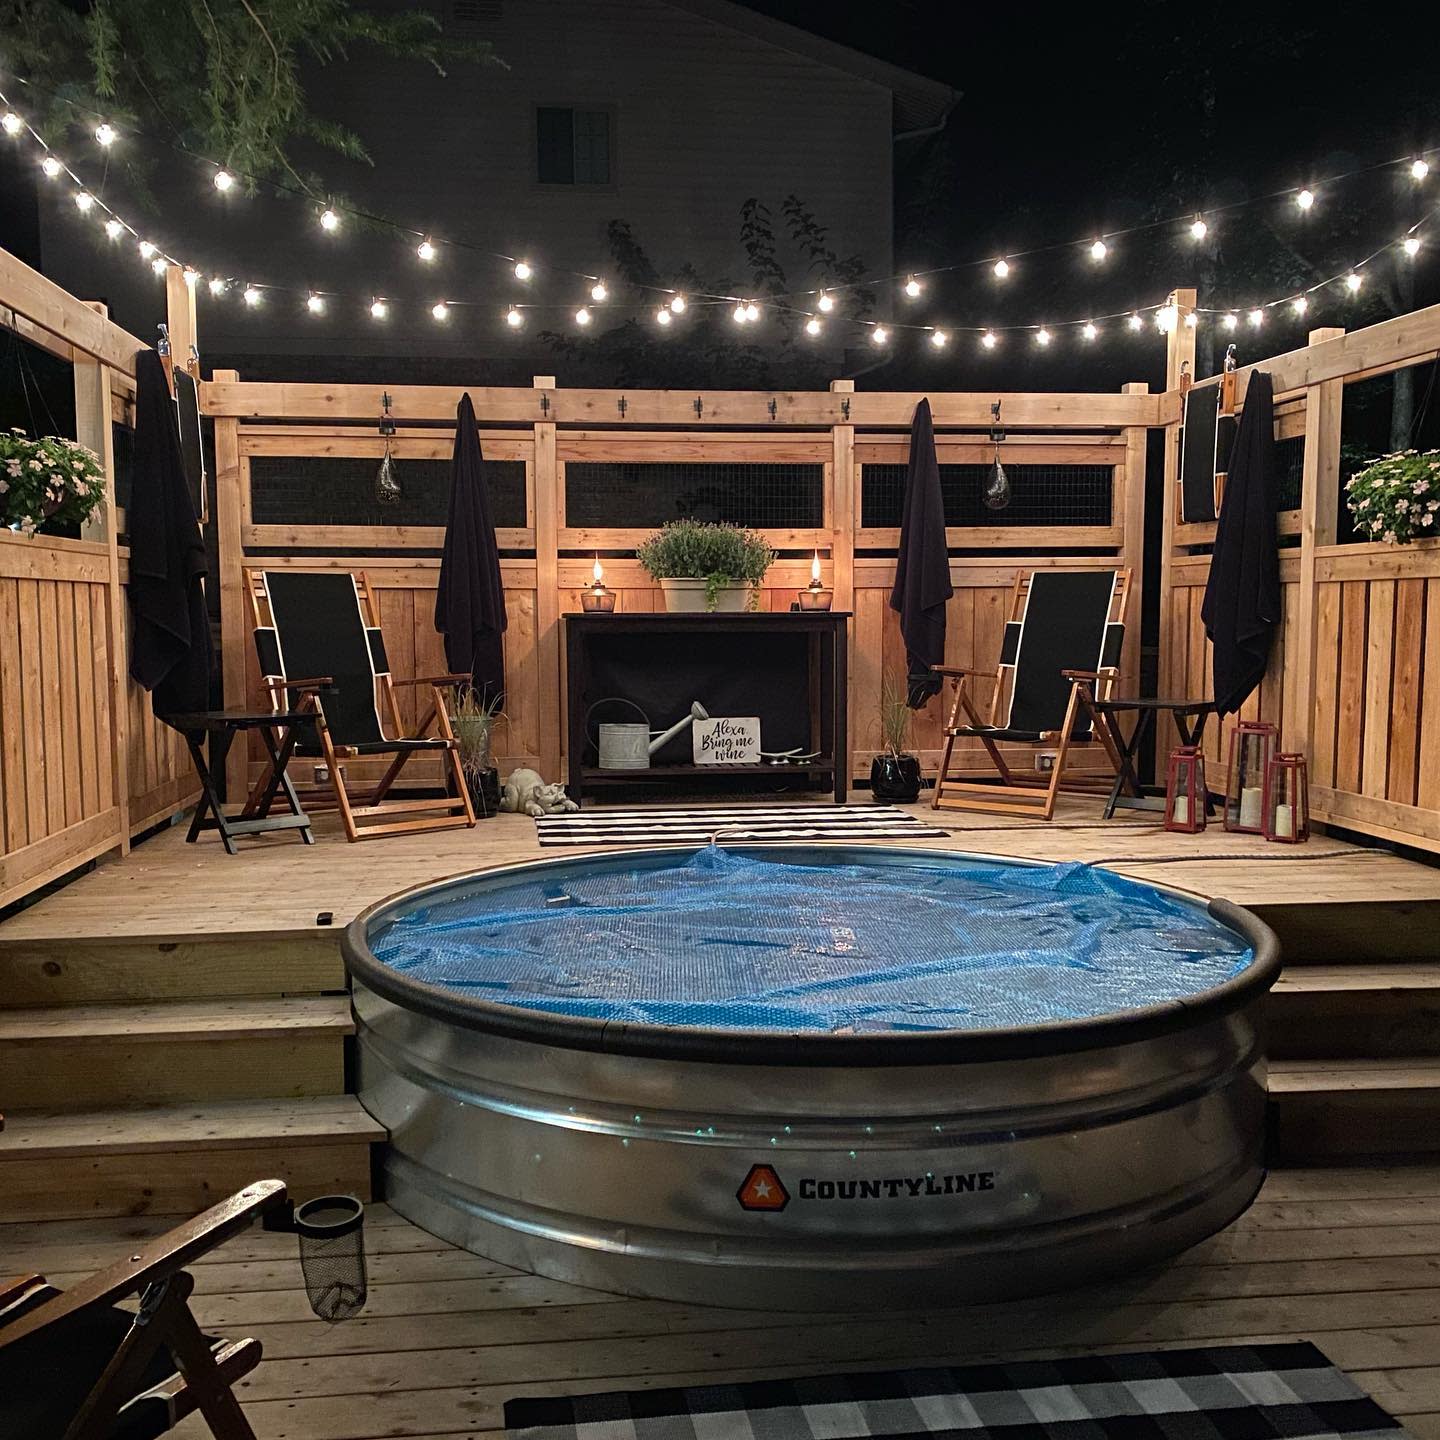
<point x="484" y="793"/>
<point x="895" y="777"/>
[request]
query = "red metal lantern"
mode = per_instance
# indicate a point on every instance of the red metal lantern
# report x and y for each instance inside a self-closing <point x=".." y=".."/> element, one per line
<point x="1287" y="799"/>
<point x="1252" y="746"/>
<point x="1186" y="794"/>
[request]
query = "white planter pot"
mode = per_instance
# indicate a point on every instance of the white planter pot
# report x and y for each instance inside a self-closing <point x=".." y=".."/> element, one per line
<point x="686" y="596"/>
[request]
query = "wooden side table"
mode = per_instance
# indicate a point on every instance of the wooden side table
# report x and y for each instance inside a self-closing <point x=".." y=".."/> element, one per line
<point x="1190" y="717"/>
<point x="222" y="726"/>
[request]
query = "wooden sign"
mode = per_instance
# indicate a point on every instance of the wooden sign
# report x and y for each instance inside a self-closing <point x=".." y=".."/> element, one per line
<point x="727" y="740"/>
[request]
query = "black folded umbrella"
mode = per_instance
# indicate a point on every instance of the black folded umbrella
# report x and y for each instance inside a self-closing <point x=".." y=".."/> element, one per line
<point x="922" y="572"/>
<point x="469" y="600"/>
<point x="1242" y="605"/>
<point x="170" y="650"/>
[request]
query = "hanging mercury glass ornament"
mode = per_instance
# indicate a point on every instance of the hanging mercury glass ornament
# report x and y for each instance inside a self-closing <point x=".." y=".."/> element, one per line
<point x="997" y="483"/>
<point x="387" y="482"/>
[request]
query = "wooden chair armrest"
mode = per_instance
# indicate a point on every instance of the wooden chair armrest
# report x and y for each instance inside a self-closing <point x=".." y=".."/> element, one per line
<point x="1105" y="672"/>
<point x="318" y="682"/>
<point x="957" y="672"/>
<point x="12" y="1290"/>
<point x="434" y="680"/>
<point x="154" y="1260"/>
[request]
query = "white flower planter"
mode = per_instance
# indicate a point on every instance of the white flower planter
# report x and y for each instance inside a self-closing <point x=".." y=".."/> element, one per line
<point x="686" y="596"/>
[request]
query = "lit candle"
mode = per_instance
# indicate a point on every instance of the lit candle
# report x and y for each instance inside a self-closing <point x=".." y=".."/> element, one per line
<point x="599" y="574"/>
<point x="815" y="572"/>
<point x="1250" y="807"/>
<point x="1284" y="821"/>
<point x="597" y="599"/>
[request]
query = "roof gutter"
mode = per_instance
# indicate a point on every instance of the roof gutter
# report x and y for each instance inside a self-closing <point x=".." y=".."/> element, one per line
<point x="934" y="129"/>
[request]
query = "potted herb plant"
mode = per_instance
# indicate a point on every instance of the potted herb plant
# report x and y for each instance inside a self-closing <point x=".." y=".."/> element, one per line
<point x="1397" y="497"/>
<point x="894" y="772"/>
<point x="703" y="567"/>
<point x="48" y="484"/>
<point x="473" y="720"/>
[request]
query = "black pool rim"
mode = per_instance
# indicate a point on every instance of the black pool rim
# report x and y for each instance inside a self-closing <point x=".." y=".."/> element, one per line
<point x="730" y="1047"/>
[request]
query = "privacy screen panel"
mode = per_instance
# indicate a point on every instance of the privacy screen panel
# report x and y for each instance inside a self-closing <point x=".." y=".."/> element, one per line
<point x="632" y="494"/>
<point x="1289" y="466"/>
<point x="340" y="490"/>
<point x="1039" y="495"/>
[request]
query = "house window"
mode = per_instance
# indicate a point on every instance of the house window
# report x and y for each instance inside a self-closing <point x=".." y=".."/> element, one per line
<point x="572" y="146"/>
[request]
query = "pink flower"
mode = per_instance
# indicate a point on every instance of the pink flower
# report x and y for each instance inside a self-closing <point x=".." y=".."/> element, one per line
<point x="1389" y="537"/>
<point x="1428" y="518"/>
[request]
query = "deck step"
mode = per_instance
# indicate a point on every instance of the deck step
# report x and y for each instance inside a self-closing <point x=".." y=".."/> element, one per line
<point x="1355" y="1011"/>
<point x="76" y="1057"/>
<point x="173" y="1159"/>
<point x="1349" y="1111"/>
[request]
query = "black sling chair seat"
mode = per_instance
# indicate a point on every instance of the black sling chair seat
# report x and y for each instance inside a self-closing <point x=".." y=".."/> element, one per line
<point x="318" y="636"/>
<point x="1060" y="653"/>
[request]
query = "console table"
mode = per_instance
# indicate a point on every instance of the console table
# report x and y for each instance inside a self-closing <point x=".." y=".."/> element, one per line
<point x="786" y="666"/>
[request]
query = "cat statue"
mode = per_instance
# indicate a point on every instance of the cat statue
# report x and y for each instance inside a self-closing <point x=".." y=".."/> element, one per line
<point x="526" y="793"/>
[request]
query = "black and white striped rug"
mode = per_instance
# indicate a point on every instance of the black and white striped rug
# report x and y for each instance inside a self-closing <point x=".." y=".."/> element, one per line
<point x="748" y="824"/>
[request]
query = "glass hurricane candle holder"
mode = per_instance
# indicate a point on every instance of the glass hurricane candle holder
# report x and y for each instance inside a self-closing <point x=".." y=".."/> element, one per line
<point x="1252" y="746"/>
<point x="1287" y="799"/>
<point x="597" y="601"/>
<point x="1185" y="791"/>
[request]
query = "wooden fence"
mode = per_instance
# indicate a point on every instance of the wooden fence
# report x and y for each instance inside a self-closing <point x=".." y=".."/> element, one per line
<point x="1354" y="678"/>
<point x="84" y="765"/>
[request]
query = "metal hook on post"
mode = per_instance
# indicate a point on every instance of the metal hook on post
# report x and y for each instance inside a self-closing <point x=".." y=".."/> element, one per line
<point x="621" y="406"/>
<point x="699" y="408"/>
<point x="773" y="406"/>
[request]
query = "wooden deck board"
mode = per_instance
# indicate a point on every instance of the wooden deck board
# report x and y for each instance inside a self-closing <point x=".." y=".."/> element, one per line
<point x="1343" y="1258"/>
<point x="170" y="892"/>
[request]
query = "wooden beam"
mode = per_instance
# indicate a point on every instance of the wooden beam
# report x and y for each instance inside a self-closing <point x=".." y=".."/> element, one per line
<point x="496" y="405"/>
<point x="1130" y="500"/>
<point x="233" y="626"/>
<point x="1179" y="360"/>
<point x="180" y="317"/>
<point x="843" y="486"/>
<point x="1319" y="521"/>
<point x="548" y="500"/>
<point x="44" y="304"/>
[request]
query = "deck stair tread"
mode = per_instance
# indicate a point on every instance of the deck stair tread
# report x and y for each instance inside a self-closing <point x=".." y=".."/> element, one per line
<point x="220" y="1125"/>
<point x="1404" y="1072"/>
<point x="1396" y="975"/>
<point x="237" y="1019"/>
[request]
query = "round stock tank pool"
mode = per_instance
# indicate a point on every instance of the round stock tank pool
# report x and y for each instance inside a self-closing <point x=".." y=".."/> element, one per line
<point x="800" y="1077"/>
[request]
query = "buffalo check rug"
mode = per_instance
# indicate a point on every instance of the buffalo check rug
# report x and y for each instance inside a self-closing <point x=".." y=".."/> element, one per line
<point x="751" y="824"/>
<point x="1253" y="1392"/>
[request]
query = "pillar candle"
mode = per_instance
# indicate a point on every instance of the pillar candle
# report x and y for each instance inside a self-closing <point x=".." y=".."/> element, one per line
<point x="1284" y="821"/>
<point x="1250" y="807"/>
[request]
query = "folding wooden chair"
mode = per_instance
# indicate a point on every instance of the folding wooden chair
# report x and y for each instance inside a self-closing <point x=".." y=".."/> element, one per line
<point x="1060" y="653"/>
<point x="74" y="1365"/>
<point x="317" y="635"/>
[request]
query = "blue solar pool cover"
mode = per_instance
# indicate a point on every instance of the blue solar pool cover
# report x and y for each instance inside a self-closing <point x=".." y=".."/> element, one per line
<point x="735" y="943"/>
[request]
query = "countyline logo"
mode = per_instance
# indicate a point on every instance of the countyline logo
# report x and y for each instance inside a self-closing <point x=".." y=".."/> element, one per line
<point x="762" y="1188"/>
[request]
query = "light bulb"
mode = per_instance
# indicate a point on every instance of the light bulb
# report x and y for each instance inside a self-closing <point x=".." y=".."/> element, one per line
<point x="106" y="134"/>
<point x="315" y="303"/>
<point x="677" y="304"/>
<point x="514" y="318"/>
<point x="379" y="309"/>
<point x="12" y="123"/>
<point x="1135" y="322"/>
<point x="329" y="220"/>
<point x="425" y="249"/>
<point x="663" y="316"/>
<point x="51" y="166"/>
<point x="739" y="313"/>
<point x="989" y="339"/>
<point x="159" y="264"/>
<point x="752" y="311"/>
<point x="217" y="285"/>
<point x="598" y="293"/>
<point x="224" y="181"/>
<point x="1192" y="319"/>
<point x="913" y="287"/>
<point x="523" y="270"/>
<point x="251" y="295"/>
<point x="813" y="325"/>
<point x="1305" y="199"/>
<point x="582" y="316"/>
<point x="1198" y="229"/>
<point x="879" y="335"/>
<point x="1089" y="332"/>
<point x="938" y="339"/>
<point x="1419" y="169"/>
<point x="1230" y="321"/>
<point x="1002" y="269"/>
<point x="114" y="229"/>
<point x="1042" y="336"/>
<point x="191" y="277"/>
<point x="440" y="310"/>
<point x="1411" y="245"/>
<point x="83" y="201"/>
<point x="1299" y="305"/>
<point x="1256" y="318"/>
<point x="1165" y="318"/>
<point x="826" y="302"/>
<point x="146" y="249"/>
<point x="1353" y="282"/>
<point x="1099" y="250"/>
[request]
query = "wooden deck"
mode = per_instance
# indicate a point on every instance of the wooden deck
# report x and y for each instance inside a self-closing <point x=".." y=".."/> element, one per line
<point x="1349" y="1259"/>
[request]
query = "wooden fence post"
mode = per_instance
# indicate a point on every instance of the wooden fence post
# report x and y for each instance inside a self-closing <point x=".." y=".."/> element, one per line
<point x="843" y="516"/>
<point x="1132" y="548"/>
<point x="94" y="418"/>
<point x="1179" y="361"/>
<point x="180" y="317"/>
<point x="1319" y="523"/>
<point x="547" y="589"/>
<point x="232" y="582"/>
